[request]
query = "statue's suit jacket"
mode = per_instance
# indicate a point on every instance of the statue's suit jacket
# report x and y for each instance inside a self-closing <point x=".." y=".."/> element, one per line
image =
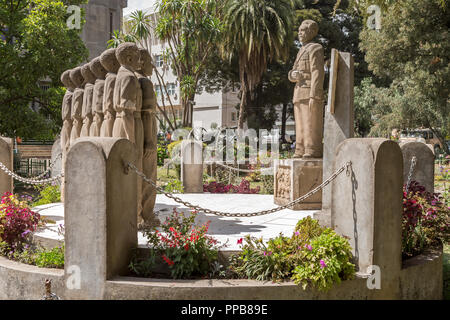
<point x="310" y="64"/>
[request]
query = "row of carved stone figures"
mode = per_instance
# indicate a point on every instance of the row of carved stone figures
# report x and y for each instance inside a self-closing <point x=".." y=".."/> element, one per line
<point x="112" y="96"/>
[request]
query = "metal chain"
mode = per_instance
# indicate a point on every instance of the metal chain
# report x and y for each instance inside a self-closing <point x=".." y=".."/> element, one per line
<point x="52" y="164"/>
<point x="411" y="170"/>
<point x="252" y="214"/>
<point x="29" y="181"/>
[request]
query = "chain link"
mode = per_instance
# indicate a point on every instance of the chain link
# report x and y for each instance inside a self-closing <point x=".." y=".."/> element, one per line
<point x="252" y="214"/>
<point x="410" y="173"/>
<point x="29" y="180"/>
<point x="50" y="167"/>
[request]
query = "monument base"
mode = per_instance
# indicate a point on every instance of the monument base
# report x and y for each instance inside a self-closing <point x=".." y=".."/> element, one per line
<point x="294" y="178"/>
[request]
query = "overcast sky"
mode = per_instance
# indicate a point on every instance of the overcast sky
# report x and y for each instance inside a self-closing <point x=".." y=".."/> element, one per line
<point x="137" y="5"/>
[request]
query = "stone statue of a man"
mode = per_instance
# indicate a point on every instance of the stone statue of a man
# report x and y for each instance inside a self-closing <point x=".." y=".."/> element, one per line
<point x="308" y="74"/>
<point x="86" y="112"/>
<point x="97" y="102"/>
<point x="66" y="111"/>
<point x="149" y="142"/>
<point x="77" y="103"/>
<point x="109" y="62"/>
<point x="126" y="91"/>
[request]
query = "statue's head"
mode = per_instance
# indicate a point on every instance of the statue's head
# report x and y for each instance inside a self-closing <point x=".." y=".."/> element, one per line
<point x="128" y="55"/>
<point x="65" y="79"/>
<point x="76" y="77"/>
<point x="145" y="61"/>
<point x="308" y="30"/>
<point x="109" y="61"/>
<point x="97" y="69"/>
<point x="88" y="76"/>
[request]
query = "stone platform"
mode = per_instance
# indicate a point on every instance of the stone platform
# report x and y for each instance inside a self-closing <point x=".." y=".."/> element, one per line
<point x="227" y="230"/>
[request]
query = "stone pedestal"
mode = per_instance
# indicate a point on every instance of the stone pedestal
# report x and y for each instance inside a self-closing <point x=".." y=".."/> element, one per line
<point x="423" y="171"/>
<point x="295" y="177"/>
<point x="192" y="166"/>
<point x="339" y="122"/>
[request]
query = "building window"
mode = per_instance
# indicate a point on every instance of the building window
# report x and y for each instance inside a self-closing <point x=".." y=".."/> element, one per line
<point x="233" y="116"/>
<point x="171" y="88"/>
<point x="158" y="91"/>
<point x="159" y="61"/>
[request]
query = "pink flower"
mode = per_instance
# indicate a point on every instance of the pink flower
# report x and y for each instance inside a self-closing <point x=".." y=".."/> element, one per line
<point x="240" y="241"/>
<point x="322" y="264"/>
<point x="307" y="246"/>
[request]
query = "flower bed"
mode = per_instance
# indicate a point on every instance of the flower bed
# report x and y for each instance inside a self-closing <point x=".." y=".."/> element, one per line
<point x="17" y="224"/>
<point x="243" y="188"/>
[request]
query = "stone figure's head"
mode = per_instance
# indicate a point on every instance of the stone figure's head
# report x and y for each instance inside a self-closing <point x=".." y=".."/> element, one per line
<point x="128" y="55"/>
<point x="145" y="61"/>
<point x="88" y="76"/>
<point x="97" y="69"/>
<point x="65" y="79"/>
<point x="308" y="30"/>
<point x="109" y="61"/>
<point x="77" y="77"/>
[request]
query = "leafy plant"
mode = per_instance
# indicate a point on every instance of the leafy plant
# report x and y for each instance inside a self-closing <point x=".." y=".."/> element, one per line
<point x="182" y="246"/>
<point x="425" y="220"/>
<point x="17" y="221"/>
<point x="162" y="153"/>
<point x="53" y="258"/>
<point x="311" y="256"/>
<point x="324" y="262"/>
<point x="243" y="187"/>
<point x="48" y="194"/>
<point x="174" y="186"/>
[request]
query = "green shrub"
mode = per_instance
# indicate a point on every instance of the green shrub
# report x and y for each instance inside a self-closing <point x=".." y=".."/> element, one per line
<point x="174" y="186"/>
<point x="313" y="255"/>
<point x="181" y="246"/>
<point x="53" y="258"/>
<point x="324" y="262"/>
<point x="48" y="194"/>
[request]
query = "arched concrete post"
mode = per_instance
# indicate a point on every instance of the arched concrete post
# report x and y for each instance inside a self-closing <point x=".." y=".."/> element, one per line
<point x="367" y="206"/>
<point x="192" y="166"/>
<point x="6" y="157"/>
<point x="423" y="171"/>
<point x="100" y="214"/>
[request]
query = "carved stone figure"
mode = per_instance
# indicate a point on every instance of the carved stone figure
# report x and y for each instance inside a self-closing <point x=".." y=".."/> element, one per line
<point x="148" y="145"/>
<point x="77" y="103"/>
<point x="97" y="101"/>
<point x="126" y="91"/>
<point x="86" y="113"/>
<point x="66" y="111"/>
<point x="109" y="62"/>
<point x="308" y="74"/>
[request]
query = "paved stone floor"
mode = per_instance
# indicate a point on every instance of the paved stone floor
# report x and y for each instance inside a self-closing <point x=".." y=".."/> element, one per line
<point x="227" y="230"/>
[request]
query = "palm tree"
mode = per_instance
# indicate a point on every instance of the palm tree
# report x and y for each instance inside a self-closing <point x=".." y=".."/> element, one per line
<point x="258" y="31"/>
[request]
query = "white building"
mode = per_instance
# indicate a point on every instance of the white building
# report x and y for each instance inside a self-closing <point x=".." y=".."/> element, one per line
<point x="218" y="109"/>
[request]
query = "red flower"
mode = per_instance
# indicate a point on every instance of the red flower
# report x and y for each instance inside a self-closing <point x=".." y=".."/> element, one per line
<point x="167" y="260"/>
<point x="240" y="241"/>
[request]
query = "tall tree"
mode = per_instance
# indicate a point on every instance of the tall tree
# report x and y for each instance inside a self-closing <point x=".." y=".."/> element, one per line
<point x="412" y="51"/>
<point x="36" y="46"/>
<point x="191" y="29"/>
<point x="257" y="31"/>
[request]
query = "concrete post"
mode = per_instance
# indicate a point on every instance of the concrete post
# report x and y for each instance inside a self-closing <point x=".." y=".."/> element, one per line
<point x="423" y="171"/>
<point x="56" y="150"/>
<point x="367" y="206"/>
<point x="6" y="157"/>
<point x="100" y="214"/>
<point x="192" y="166"/>
<point x="338" y="123"/>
